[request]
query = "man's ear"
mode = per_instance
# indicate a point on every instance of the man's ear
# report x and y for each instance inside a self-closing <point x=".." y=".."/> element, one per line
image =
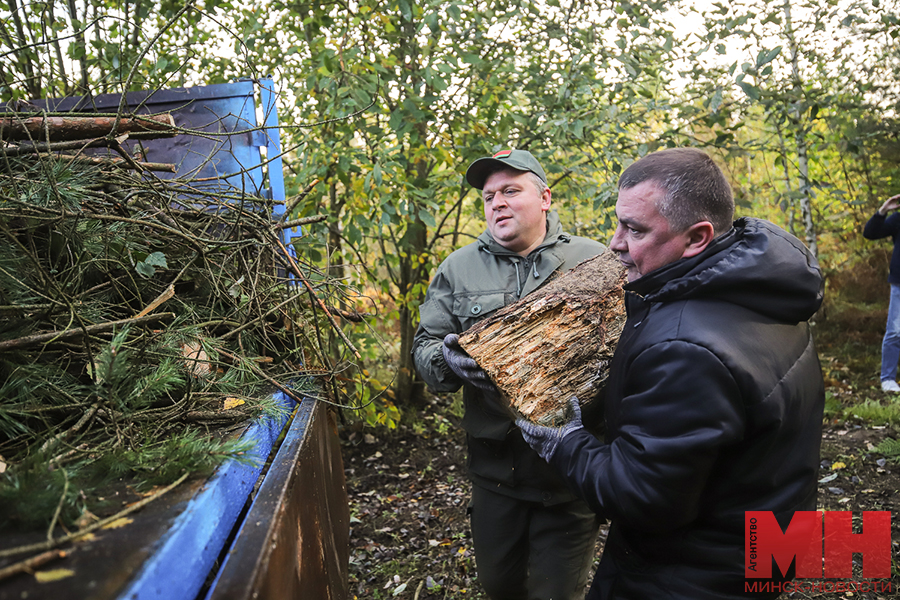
<point x="545" y="200"/>
<point x="697" y="238"/>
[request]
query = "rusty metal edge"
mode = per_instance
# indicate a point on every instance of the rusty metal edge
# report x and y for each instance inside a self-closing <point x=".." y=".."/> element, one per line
<point x="295" y="510"/>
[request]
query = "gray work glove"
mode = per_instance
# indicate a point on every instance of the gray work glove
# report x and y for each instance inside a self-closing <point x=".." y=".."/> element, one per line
<point x="543" y="439"/>
<point x="465" y="366"/>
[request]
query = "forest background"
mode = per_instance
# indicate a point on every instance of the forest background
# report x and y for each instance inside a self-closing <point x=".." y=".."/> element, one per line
<point x="383" y="104"/>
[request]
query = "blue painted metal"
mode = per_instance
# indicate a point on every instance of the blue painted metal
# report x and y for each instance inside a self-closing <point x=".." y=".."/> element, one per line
<point x="295" y="540"/>
<point x="231" y="155"/>
<point x="263" y="506"/>
<point x="272" y="143"/>
<point x="183" y="558"/>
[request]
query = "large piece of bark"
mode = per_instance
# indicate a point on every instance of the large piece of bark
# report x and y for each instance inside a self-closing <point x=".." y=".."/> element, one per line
<point x="555" y="343"/>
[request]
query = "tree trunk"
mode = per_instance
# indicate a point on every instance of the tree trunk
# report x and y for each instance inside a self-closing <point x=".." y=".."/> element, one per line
<point x="800" y="135"/>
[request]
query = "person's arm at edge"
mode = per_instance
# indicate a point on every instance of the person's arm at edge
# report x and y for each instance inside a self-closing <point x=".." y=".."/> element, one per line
<point x="880" y="225"/>
<point x="435" y="321"/>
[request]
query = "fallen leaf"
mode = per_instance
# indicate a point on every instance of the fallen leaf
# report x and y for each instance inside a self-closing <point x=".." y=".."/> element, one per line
<point x="119" y="523"/>
<point x="400" y="589"/>
<point x="86" y="518"/>
<point x="154" y="490"/>
<point x="52" y="575"/>
<point x="235" y="289"/>
<point x="828" y="478"/>
<point x="838" y="466"/>
<point x="196" y="358"/>
<point x="232" y="402"/>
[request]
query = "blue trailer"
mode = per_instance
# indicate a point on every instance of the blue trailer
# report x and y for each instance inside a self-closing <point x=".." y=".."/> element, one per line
<point x="277" y="527"/>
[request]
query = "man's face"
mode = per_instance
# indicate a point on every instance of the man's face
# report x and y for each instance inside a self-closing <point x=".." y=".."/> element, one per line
<point x="514" y="210"/>
<point x="643" y="239"/>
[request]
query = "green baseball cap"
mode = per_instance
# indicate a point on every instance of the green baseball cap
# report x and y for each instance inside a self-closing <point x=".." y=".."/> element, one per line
<point x="521" y="160"/>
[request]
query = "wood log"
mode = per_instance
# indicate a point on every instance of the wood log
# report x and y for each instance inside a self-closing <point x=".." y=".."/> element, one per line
<point x="120" y="163"/>
<point x="82" y="128"/>
<point x="556" y="343"/>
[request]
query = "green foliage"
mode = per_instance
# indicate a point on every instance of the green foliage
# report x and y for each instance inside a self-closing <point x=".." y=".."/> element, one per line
<point x="380" y="413"/>
<point x="435" y="423"/>
<point x="147" y="267"/>
<point x="874" y="412"/>
<point x="386" y="103"/>
<point x="833" y="406"/>
<point x="31" y="493"/>
<point x="375" y="408"/>
<point x="890" y="448"/>
<point x="94" y="400"/>
<point x="159" y="462"/>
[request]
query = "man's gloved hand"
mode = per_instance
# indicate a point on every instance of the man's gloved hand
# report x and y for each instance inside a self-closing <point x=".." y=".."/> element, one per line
<point x="465" y="366"/>
<point x="543" y="439"/>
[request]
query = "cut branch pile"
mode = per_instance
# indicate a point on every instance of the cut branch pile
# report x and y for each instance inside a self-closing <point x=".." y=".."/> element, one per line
<point x="555" y="343"/>
<point x="136" y="316"/>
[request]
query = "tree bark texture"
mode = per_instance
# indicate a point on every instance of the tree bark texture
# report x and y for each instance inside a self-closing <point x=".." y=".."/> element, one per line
<point x="82" y="128"/>
<point x="556" y="343"/>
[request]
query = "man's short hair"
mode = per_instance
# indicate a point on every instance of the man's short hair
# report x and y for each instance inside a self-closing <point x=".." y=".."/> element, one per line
<point x="695" y="187"/>
<point x="539" y="183"/>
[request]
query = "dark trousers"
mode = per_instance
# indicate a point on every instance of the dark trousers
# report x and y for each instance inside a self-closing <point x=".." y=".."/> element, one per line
<point x="528" y="551"/>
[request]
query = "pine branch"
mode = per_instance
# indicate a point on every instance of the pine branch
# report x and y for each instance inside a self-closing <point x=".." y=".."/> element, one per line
<point x="94" y="526"/>
<point x="66" y="334"/>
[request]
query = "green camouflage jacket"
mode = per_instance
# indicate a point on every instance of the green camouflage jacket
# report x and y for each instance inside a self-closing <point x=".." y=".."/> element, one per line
<point x="469" y="285"/>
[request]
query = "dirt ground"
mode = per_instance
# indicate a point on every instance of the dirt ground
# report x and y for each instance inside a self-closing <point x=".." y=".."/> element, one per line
<point x="408" y="491"/>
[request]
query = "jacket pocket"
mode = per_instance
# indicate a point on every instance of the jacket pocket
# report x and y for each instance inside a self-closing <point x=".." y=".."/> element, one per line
<point x="472" y="307"/>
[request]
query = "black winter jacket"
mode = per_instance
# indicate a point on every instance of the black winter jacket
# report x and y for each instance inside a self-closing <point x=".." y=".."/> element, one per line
<point x="882" y="226"/>
<point x="713" y="407"/>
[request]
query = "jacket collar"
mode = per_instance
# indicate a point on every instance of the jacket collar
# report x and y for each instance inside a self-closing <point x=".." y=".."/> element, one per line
<point x="756" y="265"/>
<point x="653" y="281"/>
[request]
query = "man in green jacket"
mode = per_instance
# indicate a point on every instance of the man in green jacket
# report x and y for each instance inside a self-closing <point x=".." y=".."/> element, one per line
<point x="533" y="538"/>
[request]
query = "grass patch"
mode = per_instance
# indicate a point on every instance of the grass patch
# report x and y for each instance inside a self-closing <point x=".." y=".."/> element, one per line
<point x="873" y="412"/>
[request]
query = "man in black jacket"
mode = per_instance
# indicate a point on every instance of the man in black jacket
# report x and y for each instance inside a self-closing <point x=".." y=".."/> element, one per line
<point x="882" y="225"/>
<point x="715" y="396"/>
